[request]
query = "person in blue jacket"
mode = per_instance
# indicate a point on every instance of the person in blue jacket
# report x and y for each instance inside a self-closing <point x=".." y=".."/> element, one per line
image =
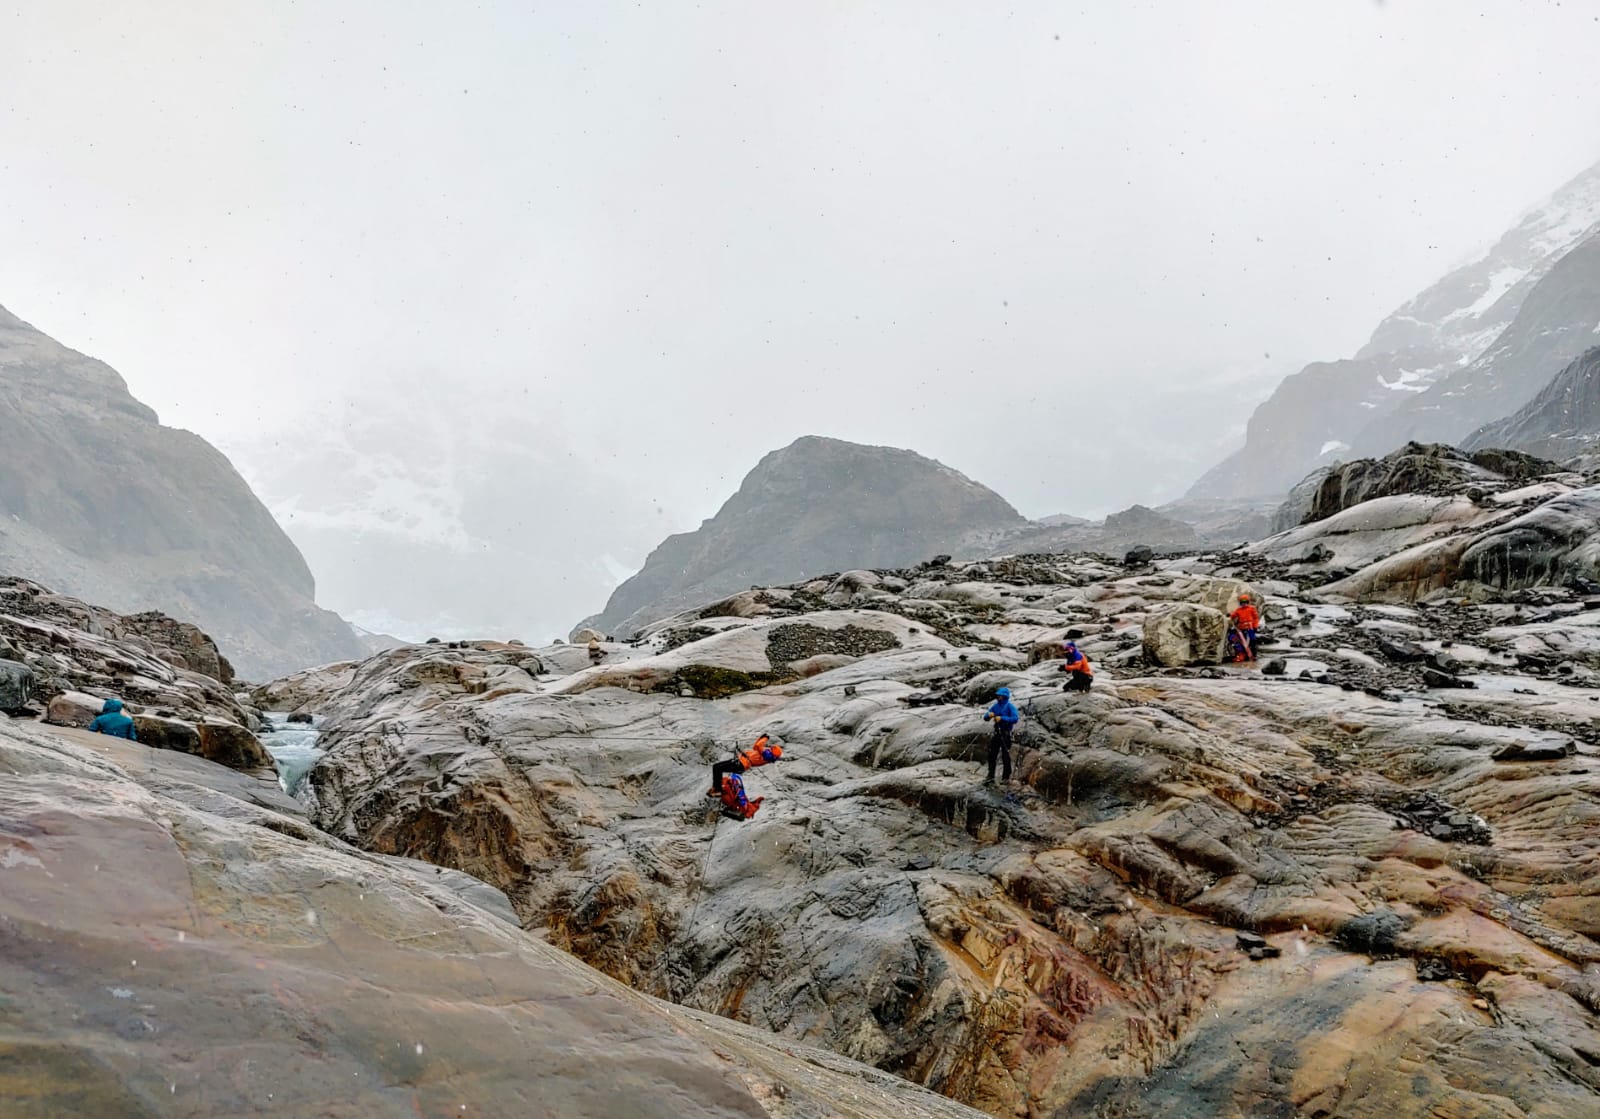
<point x="112" y="721"/>
<point x="1004" y="716"/>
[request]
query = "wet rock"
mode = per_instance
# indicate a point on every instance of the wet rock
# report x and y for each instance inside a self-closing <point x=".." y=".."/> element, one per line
<point x="163" y="912"/>
<point x="1274" y="666"/>
<point x="1184" y="634"/>
<point x="16" y="685"/>
<point x="74" y="709"/>
<point x="1535" y="752"/>
<point x="233" y="746"/>
<point x="1444" y="662"/>
<point x="302" y="717"/>
<point x="1552" y="544"/>
<point x="1400" y="652"/>
<point x="1139" y="556"/>
<point x="1376" y="934"/>
<point x="1434" y="678"/>
<point x="1431" y="970"/>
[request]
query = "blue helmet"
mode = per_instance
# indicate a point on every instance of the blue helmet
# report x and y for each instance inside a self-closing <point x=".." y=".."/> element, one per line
<point x="1004" y="693"/>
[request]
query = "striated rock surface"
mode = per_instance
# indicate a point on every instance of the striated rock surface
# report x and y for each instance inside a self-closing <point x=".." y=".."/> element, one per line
<point x="101" y="501"/>
<point x="178" y="941"/>
<point x="1368" y="886"/>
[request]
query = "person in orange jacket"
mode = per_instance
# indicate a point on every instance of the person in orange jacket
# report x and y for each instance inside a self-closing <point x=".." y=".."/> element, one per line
<point x="1080" y="675"/>
<point x="1246" y="623"/>
<point x="763" y="752"/>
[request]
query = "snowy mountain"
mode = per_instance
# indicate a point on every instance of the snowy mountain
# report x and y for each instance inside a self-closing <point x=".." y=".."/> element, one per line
<point x="425" y="512"/>
<point x="1320" y="413"/>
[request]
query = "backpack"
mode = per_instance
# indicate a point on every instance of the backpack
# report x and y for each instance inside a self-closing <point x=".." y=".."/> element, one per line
<point x="734" y="802"/>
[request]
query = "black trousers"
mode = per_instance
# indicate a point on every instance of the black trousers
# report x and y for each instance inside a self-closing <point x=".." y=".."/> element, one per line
<point x="1000" y="747"/>
<point x="1078" y="682"/>
<point x="732" y="765"/>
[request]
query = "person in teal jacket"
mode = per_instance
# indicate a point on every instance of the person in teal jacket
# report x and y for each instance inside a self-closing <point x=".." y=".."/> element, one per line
<point x="1004" y="716"/>
<point x="112" y="721"/>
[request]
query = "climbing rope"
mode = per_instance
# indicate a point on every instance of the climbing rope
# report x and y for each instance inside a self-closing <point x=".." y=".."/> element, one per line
<point x="694" y="907"/>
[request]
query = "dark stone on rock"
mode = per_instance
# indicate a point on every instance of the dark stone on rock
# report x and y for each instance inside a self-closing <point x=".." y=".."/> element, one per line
<point x="432" y="641"/>
<point x="1401" y="652"/>
<point x="918" y="862"/>
<point x="1139" y="556"/>
<point x="1249" y="940"/>
<point x="16" y="685"/>
<point x="1544" y="752"/>
<point x="1374" y="933"/>
<point x="941" y="560"/>
<point x="300" y="717"/>
<point x="1433" y="678"/>
<point x="1074" y="634"/>
<point x="233" y="746"/>
<point x="1444" y="662"/>
<point x="1305" y="674"/>
<point x="1276" y="666"/>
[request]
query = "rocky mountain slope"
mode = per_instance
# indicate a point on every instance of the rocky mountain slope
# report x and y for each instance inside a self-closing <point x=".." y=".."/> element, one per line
<point x="98" y="500"/>
<point x="1362" y="880"/>
<point x="815" y="505"/>
<point x="1561" y="422"/>
<point x="176" y="944"/>
<point x="1321" y="412"/>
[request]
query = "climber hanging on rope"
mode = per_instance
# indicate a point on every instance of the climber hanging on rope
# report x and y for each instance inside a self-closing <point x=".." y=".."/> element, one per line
<point x="727" y="784"/>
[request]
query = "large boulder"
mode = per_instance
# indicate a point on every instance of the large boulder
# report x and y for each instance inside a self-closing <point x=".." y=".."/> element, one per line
<point x="233" y="746"/>
<point x="162" y="733"/>
<point x="224" y="743"/>
<point x="1184" y="634"/>
<point x="74" y="709"/>
<point x="16" y="685"/>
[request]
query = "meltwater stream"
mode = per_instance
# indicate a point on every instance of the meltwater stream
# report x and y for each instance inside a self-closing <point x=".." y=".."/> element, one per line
<point x="294" y="747"/>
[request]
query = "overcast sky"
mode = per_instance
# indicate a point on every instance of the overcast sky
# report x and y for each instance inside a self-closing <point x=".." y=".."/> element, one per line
<point x="678" y="235"/>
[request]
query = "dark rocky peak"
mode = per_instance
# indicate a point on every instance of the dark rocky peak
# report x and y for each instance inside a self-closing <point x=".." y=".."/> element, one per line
<point x="1561" y="422"/>
<point x="816" y="506"/>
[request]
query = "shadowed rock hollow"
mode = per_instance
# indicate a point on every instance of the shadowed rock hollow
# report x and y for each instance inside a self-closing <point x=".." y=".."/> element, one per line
<point x="1365" y="886"/>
